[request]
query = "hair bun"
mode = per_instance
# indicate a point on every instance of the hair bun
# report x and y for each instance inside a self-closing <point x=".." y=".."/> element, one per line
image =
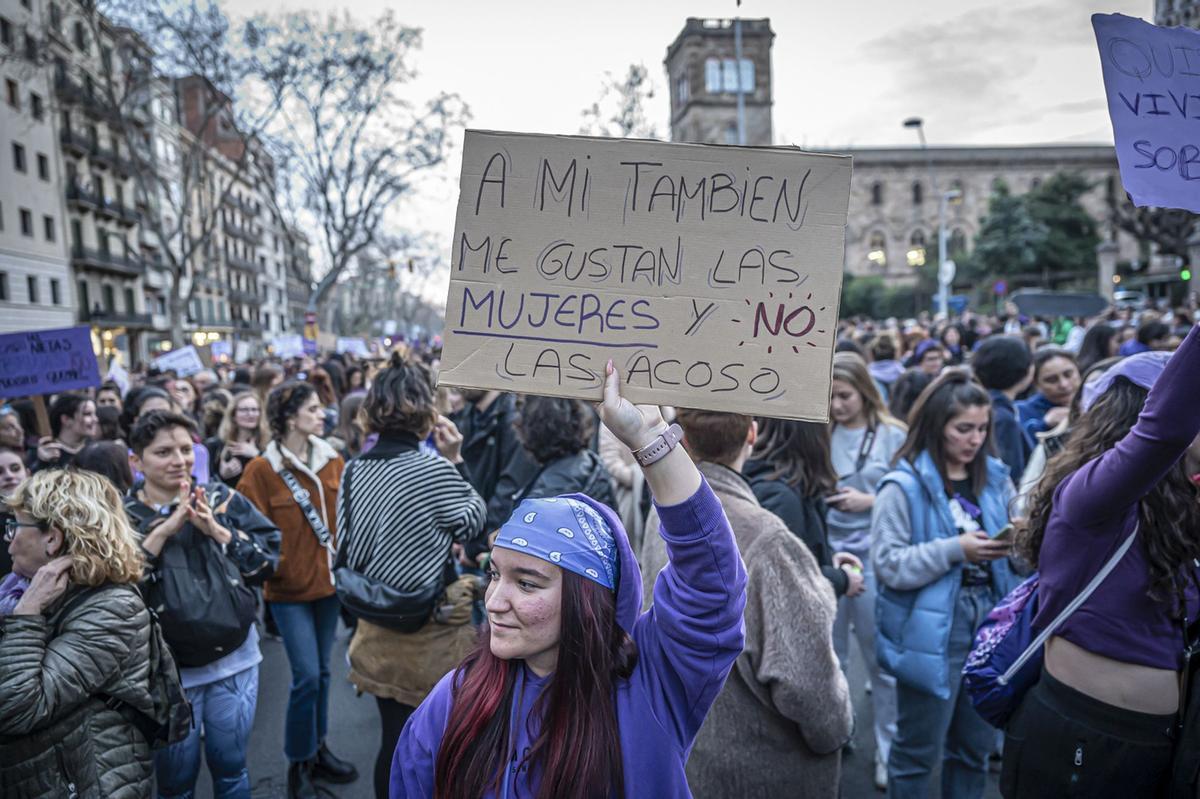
<point x="396" y="361"/>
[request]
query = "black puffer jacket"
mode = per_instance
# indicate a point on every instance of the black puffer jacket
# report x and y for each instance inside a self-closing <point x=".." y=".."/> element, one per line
<point x="490" y="442"/>
<point x="49" y="689"/>
<point x="581" y="473"/>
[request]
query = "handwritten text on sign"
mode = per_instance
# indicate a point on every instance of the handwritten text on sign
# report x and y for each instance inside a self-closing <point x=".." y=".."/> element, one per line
<point x="1152" y="76"/>
<point x="47" y="362"/>
<point x="710" y="275"/>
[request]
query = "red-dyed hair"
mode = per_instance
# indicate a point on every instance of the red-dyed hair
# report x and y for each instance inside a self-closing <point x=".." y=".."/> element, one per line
<point x="578" y="749"/>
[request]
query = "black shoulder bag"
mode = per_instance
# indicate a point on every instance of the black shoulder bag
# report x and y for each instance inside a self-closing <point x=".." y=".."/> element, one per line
<point x="1185" y="766"/>
<point x="364" y="597"/>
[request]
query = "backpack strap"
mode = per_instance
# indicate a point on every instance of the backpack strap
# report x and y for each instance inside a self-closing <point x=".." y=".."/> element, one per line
<point x="1071" y="607"/>
<point x="304" y="500"/>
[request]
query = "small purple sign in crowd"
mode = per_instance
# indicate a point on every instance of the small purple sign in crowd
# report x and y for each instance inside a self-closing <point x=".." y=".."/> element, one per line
<point x="47" y="362"/>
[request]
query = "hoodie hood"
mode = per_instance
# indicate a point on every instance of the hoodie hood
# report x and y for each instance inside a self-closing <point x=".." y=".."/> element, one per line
<point x="629" y="583"/>
<point x="886" y="371"/>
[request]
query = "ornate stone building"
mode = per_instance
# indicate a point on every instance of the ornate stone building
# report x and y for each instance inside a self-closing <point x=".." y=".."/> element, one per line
<point x="892" y="227"/>
<point x="705" y="76"/>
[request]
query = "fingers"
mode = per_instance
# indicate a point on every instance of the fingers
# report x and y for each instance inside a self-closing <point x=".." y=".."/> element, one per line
<point x="612" y="386"/>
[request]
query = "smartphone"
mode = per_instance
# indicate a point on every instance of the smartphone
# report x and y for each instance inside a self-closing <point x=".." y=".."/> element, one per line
<point x="1005" y="534"/>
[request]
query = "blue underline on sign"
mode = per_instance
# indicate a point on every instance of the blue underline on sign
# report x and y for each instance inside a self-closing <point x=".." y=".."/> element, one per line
<point x="547" y="339"/>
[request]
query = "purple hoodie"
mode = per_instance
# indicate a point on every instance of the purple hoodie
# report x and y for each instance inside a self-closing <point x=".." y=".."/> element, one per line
<point x="687" y="643"/>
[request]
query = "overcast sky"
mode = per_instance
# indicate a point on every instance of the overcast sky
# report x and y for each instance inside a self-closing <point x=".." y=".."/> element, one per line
<point x="845" y="73"/>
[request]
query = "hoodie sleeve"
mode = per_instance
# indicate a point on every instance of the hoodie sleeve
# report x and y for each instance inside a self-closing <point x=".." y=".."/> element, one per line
<point x="416" y="752"/>
<point x="692" y="635"/>
<point x="899" y="563"/>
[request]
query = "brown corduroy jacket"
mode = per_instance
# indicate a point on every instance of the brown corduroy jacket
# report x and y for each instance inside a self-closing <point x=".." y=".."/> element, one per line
<point x="304" y="572"/>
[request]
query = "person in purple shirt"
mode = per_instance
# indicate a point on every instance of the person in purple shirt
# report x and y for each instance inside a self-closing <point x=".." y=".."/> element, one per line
<point x="572" y="691"/>
<point x="1098" y="723"/>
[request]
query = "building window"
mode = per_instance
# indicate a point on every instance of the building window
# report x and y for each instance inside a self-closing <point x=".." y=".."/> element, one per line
<point x="48" y="227"/>
<point x="918" y="193"/>
<point x="130" y="306"/>
<point x="13" y="92"/>
<point x="83" y="296"/>
<point x="1035" y="183"/>
<point x="80" y="37"/>
<point x="957" y="245"/>
<point x="27" y="4"/>
<point x="916" y="248"/>
<point x="877" y="193"/>
<point x="55" y="291"/>
<point x="18" y="157"/>
<point x="5" y="32"/>
<point x="31" y="51"/>
<point x="76" y="234"/>
<point x="32" y="287"/>
<point x="4" y="286"/>
<point x="681" y="89"/>
<point x="55" y="18"/>
<point x="877" y="250"/>
<point x="43" y="166"/>
<point x="110" y="299"/>
<point x="26" y="222"/>
<point x="36" y="106"/>
<point x="721" y="75"/>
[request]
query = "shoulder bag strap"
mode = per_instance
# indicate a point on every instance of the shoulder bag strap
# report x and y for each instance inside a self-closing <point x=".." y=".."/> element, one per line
<point x="1071" y="607"/>
<point x="301" y="495"/>
<point x="343" y="550"/>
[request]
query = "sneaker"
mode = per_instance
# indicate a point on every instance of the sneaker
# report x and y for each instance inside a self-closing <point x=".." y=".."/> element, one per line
<point x="881" y="775"/>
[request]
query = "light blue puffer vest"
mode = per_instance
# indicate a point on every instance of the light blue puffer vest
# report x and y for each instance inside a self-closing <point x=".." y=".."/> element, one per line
<point x="913" y="627"/>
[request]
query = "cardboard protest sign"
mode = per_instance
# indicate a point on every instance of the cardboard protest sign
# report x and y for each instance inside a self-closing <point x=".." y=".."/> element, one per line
<point x="710" y="275"/>
<point x="184" y="361"/>
<point x="47" y="362"/>
<point x="290" y="346"/>
<point x="1152" y="77"/>
<point x="354" y="346"/>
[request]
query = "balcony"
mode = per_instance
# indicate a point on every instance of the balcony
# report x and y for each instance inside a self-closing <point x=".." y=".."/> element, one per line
<point x="123" y="214"/>
<point x="97" y="107"/>
<point x="73" y="143"/>
<point x="244" y="264"/>
<point x="81" y="199"/>
<point x="108" y="262"/>
<point x="243" y="233"/>
<point x="67" y="90"/>
<point x="104" y="318"/>
<point x="246" y="207"/>
<point x="246" y="297"/>
<point x="243" y="324"/>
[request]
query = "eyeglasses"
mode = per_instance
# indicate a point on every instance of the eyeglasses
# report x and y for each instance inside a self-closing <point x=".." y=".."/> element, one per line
<point x="11" y="525"/>
<point x="248" y="411"/>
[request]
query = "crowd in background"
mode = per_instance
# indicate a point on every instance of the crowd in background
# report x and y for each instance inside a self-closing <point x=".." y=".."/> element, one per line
<point x="880" y="529"/>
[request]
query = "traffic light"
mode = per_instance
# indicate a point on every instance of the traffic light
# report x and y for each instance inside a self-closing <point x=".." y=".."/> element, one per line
<point x="1185" y="274"/>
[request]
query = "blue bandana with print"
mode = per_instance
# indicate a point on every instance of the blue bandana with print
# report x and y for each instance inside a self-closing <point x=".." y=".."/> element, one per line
<point x="565" y="532"/>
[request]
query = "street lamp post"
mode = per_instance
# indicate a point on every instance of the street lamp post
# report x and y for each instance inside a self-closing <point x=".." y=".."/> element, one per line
<point x="943" y="287"/>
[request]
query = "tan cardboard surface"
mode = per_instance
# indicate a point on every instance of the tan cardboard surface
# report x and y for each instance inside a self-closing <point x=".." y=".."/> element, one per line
<point x="710" y="275"/>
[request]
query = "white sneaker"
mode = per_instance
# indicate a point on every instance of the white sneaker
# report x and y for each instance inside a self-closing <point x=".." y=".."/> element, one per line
<point x="881" y="774"/>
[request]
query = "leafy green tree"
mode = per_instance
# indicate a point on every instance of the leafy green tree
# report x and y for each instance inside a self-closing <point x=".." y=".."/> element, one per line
<point x="1010" y="240"/>
<point x="1071" y="240"/>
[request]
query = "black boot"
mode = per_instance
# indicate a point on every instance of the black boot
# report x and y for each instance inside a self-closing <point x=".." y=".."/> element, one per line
<point x="330" y="768"/>
<point x="300" y="781"/>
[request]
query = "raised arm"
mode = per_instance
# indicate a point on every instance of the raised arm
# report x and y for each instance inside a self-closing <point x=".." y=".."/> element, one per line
<point x="694" y="632"/>
<point x="1169" y="422"/>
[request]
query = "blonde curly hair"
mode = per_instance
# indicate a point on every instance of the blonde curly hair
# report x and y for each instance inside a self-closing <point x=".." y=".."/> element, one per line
<point x="87" y="508"/>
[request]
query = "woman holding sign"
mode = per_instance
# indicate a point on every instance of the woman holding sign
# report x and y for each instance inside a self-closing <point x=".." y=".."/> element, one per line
<point x="940" y="572"/>
<point x="572" y="692"/>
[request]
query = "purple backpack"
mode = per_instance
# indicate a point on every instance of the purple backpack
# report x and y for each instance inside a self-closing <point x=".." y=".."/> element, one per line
<point x="1006" y="660"/>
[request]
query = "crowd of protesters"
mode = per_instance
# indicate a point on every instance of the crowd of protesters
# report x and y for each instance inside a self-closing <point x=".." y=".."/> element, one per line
<point x="549" y="598"/>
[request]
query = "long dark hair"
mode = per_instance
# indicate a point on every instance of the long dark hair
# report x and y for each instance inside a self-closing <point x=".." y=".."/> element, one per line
<point x="799" y="452"/>
<point x="1169" y="513"/>
<point x="950" y="394"/>
<point x="578" y="748"/>
<point x="1094" y="347"/>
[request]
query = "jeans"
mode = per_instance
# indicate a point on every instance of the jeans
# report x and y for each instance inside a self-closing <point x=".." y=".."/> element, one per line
<point x="929" y="729"/>
<point x="225" y="711"/>
<point x="859" y="611"/>
<point x="307" y="629"/>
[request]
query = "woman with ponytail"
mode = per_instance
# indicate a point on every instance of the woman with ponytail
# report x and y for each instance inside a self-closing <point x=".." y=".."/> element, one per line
<point x="572" y="692"/>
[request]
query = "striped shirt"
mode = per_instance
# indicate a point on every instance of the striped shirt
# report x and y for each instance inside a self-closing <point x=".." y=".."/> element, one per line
<point x="406" y="508"/>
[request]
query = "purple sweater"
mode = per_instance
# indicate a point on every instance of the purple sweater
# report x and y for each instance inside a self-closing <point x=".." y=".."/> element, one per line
<point x="687" y="643"/>
<point x="1095" y="510"/>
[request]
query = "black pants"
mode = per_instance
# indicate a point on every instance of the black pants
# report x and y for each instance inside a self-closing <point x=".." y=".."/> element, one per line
<point x="1061" y="742"/>
<point x="392" y="716"/>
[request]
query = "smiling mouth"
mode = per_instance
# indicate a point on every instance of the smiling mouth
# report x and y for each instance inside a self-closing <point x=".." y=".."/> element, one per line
<point x="502" y="625"/>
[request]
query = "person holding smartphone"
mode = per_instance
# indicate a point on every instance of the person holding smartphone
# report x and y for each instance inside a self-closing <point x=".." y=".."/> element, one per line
<point x="940" y="573"/>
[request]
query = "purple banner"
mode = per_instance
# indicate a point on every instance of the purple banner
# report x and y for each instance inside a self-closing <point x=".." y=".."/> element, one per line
<point x="47" y="362"/>
<point x="1152" y="77"/>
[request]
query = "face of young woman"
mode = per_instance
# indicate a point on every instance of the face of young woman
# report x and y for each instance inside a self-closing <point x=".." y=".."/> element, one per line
<point x="524" y="608"/>
<point x="184" y="394"/>
<point x="310" y="419"/>
<point x="932" y="361"/>
<point x="246" y="413"/>
<point x="845" y="403"/>
<point x="11" y="433"/>
<point x="1058" y="380"/>
<point x="965" y="434"/>
<point x="108" y="399"/>
<point x="167" y="460"/>
<point x="12" y="472"/>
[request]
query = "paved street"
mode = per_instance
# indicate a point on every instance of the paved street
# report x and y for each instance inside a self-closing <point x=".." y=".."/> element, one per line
<point x="353" y="732"/>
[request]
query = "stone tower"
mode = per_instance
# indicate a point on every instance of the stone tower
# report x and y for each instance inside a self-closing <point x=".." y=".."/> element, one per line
<point x="703" y="73"/>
